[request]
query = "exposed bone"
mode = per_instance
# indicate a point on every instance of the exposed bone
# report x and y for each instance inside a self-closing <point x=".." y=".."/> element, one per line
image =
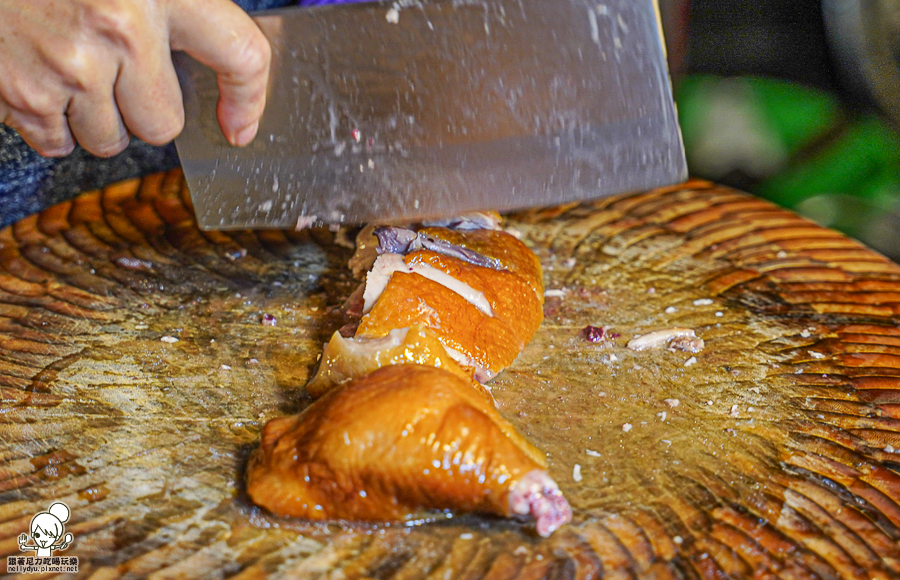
<point x="537" y="494"/>
<point x="394" y="240"/>
<point x="448" y="249"/>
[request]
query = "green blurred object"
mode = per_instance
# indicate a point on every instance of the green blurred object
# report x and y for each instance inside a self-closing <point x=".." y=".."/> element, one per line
<point x="799" y="148"/>
<point x="799" y="114"/>
<point x="863" y="161"/>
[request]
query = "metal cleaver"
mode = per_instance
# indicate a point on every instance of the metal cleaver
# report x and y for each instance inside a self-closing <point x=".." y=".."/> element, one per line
<point x="398" y="111"/>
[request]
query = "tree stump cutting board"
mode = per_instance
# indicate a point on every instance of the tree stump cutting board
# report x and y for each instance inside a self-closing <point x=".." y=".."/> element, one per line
<point x="136" y="374"/>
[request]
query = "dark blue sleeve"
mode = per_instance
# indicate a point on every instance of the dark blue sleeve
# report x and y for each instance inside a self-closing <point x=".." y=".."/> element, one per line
<point x="30" y="183"/>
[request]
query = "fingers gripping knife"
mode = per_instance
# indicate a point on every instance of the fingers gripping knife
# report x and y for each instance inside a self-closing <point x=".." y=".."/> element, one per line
<point x="401" y="110"/>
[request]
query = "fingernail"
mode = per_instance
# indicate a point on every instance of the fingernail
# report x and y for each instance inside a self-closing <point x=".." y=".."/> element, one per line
<point x="246" y="135"/>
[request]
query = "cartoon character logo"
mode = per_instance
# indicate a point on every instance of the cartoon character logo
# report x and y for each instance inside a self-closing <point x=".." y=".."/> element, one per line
<point x="47" y="528"/>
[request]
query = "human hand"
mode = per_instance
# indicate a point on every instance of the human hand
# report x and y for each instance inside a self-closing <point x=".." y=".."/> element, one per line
<point x="91" y="71"/>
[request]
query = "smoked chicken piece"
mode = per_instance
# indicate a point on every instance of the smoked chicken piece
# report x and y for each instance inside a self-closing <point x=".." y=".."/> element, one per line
<point x="482" y="247"/>
<point x="349" y="358"/>
<point x="401" y="426"/>
<point x="473" y="338"/>
<point x="507" y="252"/>
<point x="396" y="443"/>
<point x="482" y="315"/>
<point x="508" y="294"/>
<point x="386" y="264"/>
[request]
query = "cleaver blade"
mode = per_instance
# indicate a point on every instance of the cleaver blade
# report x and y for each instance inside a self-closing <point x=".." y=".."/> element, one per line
<point x="403" y="111"/>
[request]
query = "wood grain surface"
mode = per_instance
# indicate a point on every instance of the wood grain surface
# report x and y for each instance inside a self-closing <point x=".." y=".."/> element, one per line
<point x="136" y="374"/>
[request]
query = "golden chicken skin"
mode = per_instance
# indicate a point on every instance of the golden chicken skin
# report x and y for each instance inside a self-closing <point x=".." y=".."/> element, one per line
<point x="349" y="358"/>
<point x="506" y="292"/>
<point x="481" y="341"/>
<point x="403" y="425"/>
<point x="395" y="444"/>
<point x="505" y="250"/>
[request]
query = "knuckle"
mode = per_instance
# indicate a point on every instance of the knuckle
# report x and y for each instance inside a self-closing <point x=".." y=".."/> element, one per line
<point x="164" y="132"/>
<point x="56" y="144"/>
<point x="40" y="103"/>
<point x="61" y="151"/>
<point x="26" y="94"/>
<point x="116" y="20"/>
<point x="107" y="148"/>
<point x="159" y="127"/>
<point x="44" y="106"/>
<point x="252" y="55"/>
<point x="77" y="67"/>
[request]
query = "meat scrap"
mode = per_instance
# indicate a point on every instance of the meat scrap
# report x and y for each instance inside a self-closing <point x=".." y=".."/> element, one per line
<point x="402" y="425"/>
<point x="687" y="343"/>
<point x="676" y="338"/>
<point x="594" y="333"/>
<point x="598" y="334"/>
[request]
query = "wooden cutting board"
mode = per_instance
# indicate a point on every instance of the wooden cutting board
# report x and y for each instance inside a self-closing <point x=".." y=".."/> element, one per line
<point x="136" y="373"/>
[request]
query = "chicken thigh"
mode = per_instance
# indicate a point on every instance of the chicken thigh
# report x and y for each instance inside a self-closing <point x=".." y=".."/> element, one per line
<point x="396" y="443"/>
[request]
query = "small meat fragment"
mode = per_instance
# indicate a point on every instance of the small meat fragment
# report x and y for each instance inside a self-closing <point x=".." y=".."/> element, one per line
<point x="685" y="337"/>
<point x="305" y="222"/>
<point x="398" y="442"/>
<point x="598" y="334"/>
<point x="538" y="495"/>
<point x="366" y="252"/>
<point x="687" y="344"/>
<point x="594" y="333"/>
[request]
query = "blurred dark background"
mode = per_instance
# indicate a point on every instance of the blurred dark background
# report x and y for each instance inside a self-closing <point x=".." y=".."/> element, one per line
<point x="774" y="38"/>
<point x="797" y="101"/>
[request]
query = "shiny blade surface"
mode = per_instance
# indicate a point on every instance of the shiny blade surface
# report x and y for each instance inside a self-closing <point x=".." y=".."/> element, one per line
<point x="401" y="110"/>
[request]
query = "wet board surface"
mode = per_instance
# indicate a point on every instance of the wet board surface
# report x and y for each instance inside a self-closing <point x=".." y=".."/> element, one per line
<point x="136" y="374"/>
